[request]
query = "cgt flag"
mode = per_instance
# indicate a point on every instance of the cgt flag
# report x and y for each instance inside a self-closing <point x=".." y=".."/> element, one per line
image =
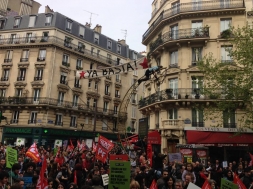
<point x="238" y="181"/>
<point x="33" y="153"/>
<point x="42" y="182"/>
<point x="107" y="71"/>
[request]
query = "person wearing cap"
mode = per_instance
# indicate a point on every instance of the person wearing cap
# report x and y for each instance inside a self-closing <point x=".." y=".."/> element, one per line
<point x="149" y="71"/>
<point x="247" y="179"/>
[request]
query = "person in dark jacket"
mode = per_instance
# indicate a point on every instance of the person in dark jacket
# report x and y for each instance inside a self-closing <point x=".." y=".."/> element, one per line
<point x="247" y="178"/>
<point x="158" y="161"/>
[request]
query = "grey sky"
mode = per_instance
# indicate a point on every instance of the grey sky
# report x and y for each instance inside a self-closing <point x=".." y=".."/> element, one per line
<point x="113" y="16"/>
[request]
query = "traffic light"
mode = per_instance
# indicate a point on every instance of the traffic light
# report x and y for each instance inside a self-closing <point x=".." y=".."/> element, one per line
<point x="2" y="117"/>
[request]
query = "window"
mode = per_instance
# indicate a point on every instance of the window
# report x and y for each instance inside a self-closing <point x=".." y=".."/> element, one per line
<point x="6" y="73"/>
<point x="98" y="51"/>
<point x="18" y="92"/>
<point x="13" y="39"/>
<point x="25" y="56"/>
<point x="117" y="93"/>
<point x="115" y="109"/>
<point x="91" y="66"/>
<point x="105" y="106"/>
<point x="119" y="49"/>
<point x="28" y="37"/>
<point x="79" y="64"/>
<point x="225" y="24"/>
<point x="8" y="56"/>
<point x="81" y="31"/>
<point x="174" y="59"/>
<point x="16" y="22"/>
<point x="22" y="73"/>
<point x="135" y="72"/>
<point x="60" y="98"/>
<point x="2" y="22"/>
<point x="224" y="4"/>
<point x="48" y="20"/>
<point x="94" y="103"/>
<point x="86" y="120"/>
<point x="134" y="55"/>
<point x="96" y="38"/>
<point x="88" y="102"/>
<point x="73" y="121"/>
<point x="196" y="55"/>
<point x="133" y="112"/>
<point x="109" y="58"/>
<point x="197" y="28"/>
<point x="44" y="37"/>
<point x="197" y="86"/>
<point x="75" y="100"/>
<point x="93" y="121"/>
<point x="196" y="4"/>
<point x="157" y="118"/>
<point x="225" y="55"/>
<point x="2" y="41"/>
<point x="33" y="117"/>
<point x="175" y="7"/>
<point x="32" y="21"/>
<point x="2" y="92"/>
<point x="109" y="44"/>
<point x="229" y="119"/>
<point x="134" y="98"/>
<point x="63" y="79"/>
<point x="174" y="32"/>
<point x="172" y="114"/>
<point x="173" y="84"/>
<point x="89" y="83"/>
<point x="15" y="117"/>
<point x="96" y="86"/>
<point x="107" y="89"/>
<point x="68" y="25"/>
<point x="77" y="81"/>
<point x="58" y="120"/>
<point x="39" y="74"/>
<point x="197" y="118"/>
<point x="36" y="95"/>
<point x="104" y="125"/>
<point x="65" y="60"/>
<point x="118" y="61"/>
<point x="81" y="47"/>
<point x="92" y="50"/>
<point x="67" y="42"/>
<point x="117" y="77"/>
<point x="42" y="55"/>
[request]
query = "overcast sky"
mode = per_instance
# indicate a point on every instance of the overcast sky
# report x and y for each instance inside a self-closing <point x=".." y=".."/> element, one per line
<point x="113" y="15"/>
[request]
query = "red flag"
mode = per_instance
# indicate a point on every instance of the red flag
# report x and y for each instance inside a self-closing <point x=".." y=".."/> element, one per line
<point x="238" y="181"/>
<point x="42" y="182"/>
<point x="78" y="145"/>
<point x="149" y="154"/>
<point x="33" y="153"/>
<point x="153" y="185"/>
<point x="101" y="153"/>
<point x="75" y="178"/>
<point x="144" y="64"/>
<point x="206" y="185"/>
<point x="105" y="143"/>
<point x="94" y="147"/>
<point x="251" y="157"/>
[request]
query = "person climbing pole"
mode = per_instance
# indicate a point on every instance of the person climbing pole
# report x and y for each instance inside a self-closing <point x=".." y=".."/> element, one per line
<point x="149" y="72"/>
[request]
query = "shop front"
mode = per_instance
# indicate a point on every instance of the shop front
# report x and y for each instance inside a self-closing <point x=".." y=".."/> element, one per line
<point x="223" y="143"/>
<point x="48" y="136"/>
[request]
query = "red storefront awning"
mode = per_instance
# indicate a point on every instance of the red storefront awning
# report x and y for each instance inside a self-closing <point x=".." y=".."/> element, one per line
<point x="203" y="137"/>
<point x="154" y="137"/>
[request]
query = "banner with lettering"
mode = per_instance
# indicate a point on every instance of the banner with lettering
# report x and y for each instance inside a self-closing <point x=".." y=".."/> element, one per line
<point x="187" y="154"/>
<point x="33" y="153"/>
<point x="104" y="146"/>
<point x="107" y="71"/>
<point x="11" y="157"/>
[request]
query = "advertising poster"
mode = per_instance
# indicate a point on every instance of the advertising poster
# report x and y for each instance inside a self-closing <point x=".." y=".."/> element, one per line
<point x="119" y="174"/>
<point x="202" y="154"/>
<point x="11" y="157"/>
<point x="187" y="155"/>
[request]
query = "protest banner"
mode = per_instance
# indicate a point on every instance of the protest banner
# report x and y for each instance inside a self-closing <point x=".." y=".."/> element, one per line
<point x="119" y="175"/>
<point x="192" y="186"/>
<point x="105" y="179"/>
<point x="121" y="157"/>
<point x="175" y="157"/>
<point x="11" y="157"/>
<point x="226" y="184"/>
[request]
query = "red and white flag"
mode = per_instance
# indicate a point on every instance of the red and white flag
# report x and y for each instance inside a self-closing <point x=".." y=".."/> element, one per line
<point x="153" y="185"/>
<point x="238" y="181"/>
<point x="104" y="146"/>
<point x="94" y="147"/>
<point x="206" y="185"/>
<point x="33" y="153"/>
<point x="42" y="182"/>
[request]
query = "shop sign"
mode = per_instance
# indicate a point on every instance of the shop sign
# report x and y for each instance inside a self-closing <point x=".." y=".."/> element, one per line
<point x="143" y="128"/>
<point x="18" y="130"/>
<point x="119" y="174"/>
<point x="185" y="146"/>
<point x="216" y="129"/>
<point x="223" y="145"/>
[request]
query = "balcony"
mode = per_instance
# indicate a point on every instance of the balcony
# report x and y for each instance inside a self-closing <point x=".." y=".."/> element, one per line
<point x="65" y="64"/>
<point x="14" y="121"/>
<point x="20" y="78"/>
<point x="78" y="86"/>
<point x="41" y="59"/>
<point x="32" y="121"/>
<point x="37" y="78"/>
<point x="79" y="68"/>
<point x="172" y="124"/>
<point x="23" y="59"/>
<point x="171" y="37"/>
<point x="198" y="124"/>
<point x="208" y="7"/>
<point x="175" y="65"/>
<point x="59" y="123"/>
<point x="7" y="60"/>
<point x="74" y="125"/>
<point x="63" y="82"/>
<point x="4" y="78"/>
<point x="184" y="94"/>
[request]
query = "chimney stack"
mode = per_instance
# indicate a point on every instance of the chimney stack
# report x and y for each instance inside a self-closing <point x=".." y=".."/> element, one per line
<point x="87" y="24"/>
<point x="122" y="41"/>
<point x="98" y="29"/>
<point x="48" y="10"/>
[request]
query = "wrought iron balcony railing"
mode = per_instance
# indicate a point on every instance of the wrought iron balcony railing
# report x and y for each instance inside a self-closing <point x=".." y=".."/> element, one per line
<point x="185" y="94"/>
<point x="202" y="32"/>
<point x="14" y="121"/>
<point x="37" y="78"/>
<point x="4" y="78"/>
<point x="20" y="78"/>
<point x="193" y="7"/>
<point x="43" y="101"/>
<point x="78" y="86"/>
<point x="73" y="125"/>
<point x="32" y="121"/>
<point x="7" y="60"/>
<point x="23" y="59"/>
<point x="198" y="124"/>
<point x="57" y="41"/>
<point x="59" y="123"/>
<point x="229" y="125"/>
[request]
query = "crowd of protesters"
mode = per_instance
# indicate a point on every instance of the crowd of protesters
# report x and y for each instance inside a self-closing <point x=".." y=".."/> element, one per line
<point x="168" y="175"/>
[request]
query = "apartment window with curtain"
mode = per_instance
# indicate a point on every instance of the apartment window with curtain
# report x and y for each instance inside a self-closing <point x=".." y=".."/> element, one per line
<point x="109" y="44"/>
<point x="81" y="31"/>
<point x="22" y="74"/>
<point x="172" y="116"/>
<point x="44" y="37"/>
<point x="229" y="119"/>
<point x="109" y="58"/>
<point x="33" y="118"/>
<point x="63" y="79"/>
<point x="225" y="24"/>
<point x="77" y="83"/>
<point x="225" y="54"/>
<point x="175" y="7"/>
<point x="104" y="125"/>
<point x="88" y="102"/>
<point x="79" y="64"/>
<point x="42" y="55"/>
<point x="197" y="86"/>
<point x="174" y="32"/>
<point x="174" y="59"/>
<point x="105" y="106"/>
<point x="58" y="120"/>
<point x="32" y="20"/>
<point x="48" y="20"/>
<point x="65" y="60"/>
<point x="75" y="100"/>
<point x="173" y="85"/>
<point x="196" y="28"/>
<point x="2" y="92"/>
<point x="117" y="77"/>
<point x="117" y="94"/>
<point x="157" y="117"/>
<point x="119" y="49"/>
<point x="196" y="55"/>
<point x="36" y="95"/>
<point x="68" y="25"/>
<point x="60" y="98"/>
<point x="73" y="121"/>
<point x="107" y="90"/>
<point x="13" y="38"/>
<point x="115" y="109"/>
<point x="94" y="103"/>
<point x="16" y="22"/>
<point x="25" y="55"/>
<point x="92" y="50"/>
<point x="197" y="118"/>
<point x="5" y="76"/>
<point x="15" y="117"/>
<point x="133" y="112"/>
<point x="8" y="56"/>
<point x="96" y="85"/>
<point x="96" y="38"/>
